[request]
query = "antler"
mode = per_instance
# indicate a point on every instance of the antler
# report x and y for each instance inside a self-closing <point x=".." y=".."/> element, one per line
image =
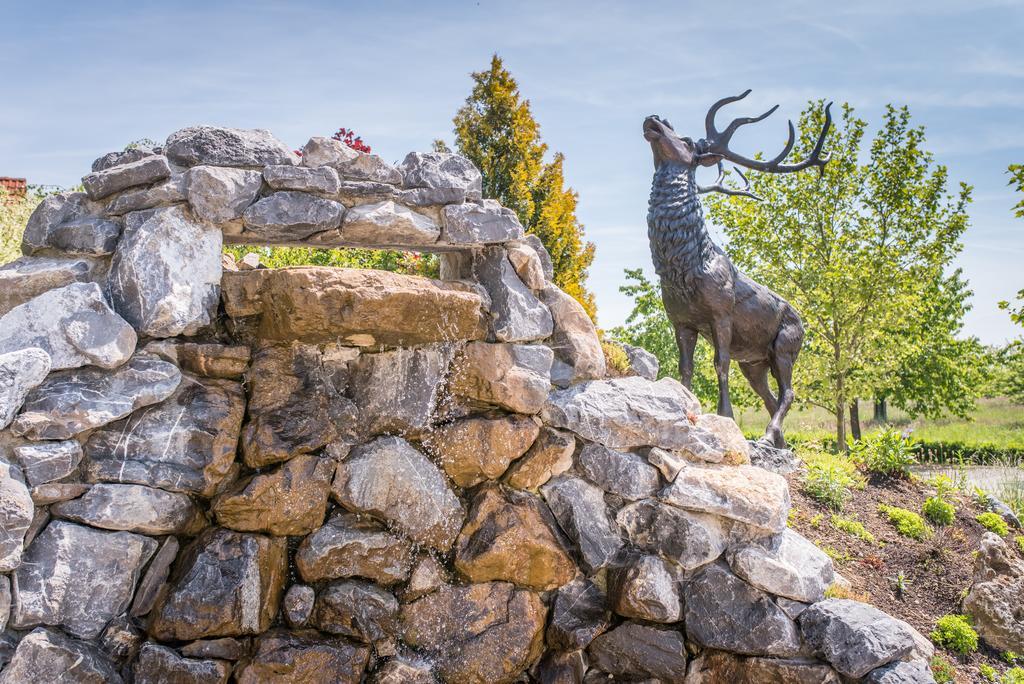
<point x="719" y="185"/>
<point x="717" y="142"/>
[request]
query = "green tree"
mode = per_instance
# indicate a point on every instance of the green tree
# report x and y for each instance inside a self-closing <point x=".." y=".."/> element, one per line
<point x="1012" y="356"/>
<point x="648" y="326"/>
<point x="1016" y="172"/>
<point x="495" y="129"/>
<point x="860" y="252"/>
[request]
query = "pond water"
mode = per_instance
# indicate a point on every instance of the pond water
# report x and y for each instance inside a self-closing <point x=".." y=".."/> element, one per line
<point x="1004" y="482"/>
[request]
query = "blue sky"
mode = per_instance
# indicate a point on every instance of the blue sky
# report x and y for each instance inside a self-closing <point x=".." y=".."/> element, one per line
<point x="87" y="78"/>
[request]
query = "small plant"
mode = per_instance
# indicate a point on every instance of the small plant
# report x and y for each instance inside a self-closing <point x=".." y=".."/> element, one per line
<point x="942" y="669"/>
<point x="954" y="633"/>
<point x="886" y="453"/>
<point x="1020" y="542"/>
<point x="838" y="557"/>
<point x="816" y="520"/>
<point x="1010" y="657"/>
<point x="854" y="527"/>
<point x="901" y="582"/>
<point x="988" y="673"/>
<point x="1015" y="675"/>
<point x="836" y="590"/>
<point x="993" y="522"/>
<point x="615" y="357"/>
<point x="829" y="479"/>
<point x="907" y="523"/>
<point x="938" y="510"/>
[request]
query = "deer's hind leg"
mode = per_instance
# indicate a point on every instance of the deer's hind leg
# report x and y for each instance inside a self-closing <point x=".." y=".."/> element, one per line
<point x="756" y="374"/>
<point x="686" y="340"/>
<point x="783" y="357"/>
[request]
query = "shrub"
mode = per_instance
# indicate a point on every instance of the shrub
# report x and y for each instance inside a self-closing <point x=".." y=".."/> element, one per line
<point x="615" y="358"/>
<point x="988" y="672"/>
<point x="954" y="633"/>
<point x="907" y="523"/>
<point x="1015" y="675"/>
<point x="836" y="590"/>
<point x="938" y="511"/>
<point x="942" y="669"/>
<point x="854" y="527"/>
<point x="829" y="478"/>
<point x="993" y="522"/>
<point x="886" y="453"/>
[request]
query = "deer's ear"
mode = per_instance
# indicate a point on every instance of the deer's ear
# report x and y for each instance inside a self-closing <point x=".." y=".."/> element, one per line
<point x="667" y="124"/>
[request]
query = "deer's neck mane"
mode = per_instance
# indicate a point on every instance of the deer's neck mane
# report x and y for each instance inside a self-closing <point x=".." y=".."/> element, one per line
<point x="680" y="244"/>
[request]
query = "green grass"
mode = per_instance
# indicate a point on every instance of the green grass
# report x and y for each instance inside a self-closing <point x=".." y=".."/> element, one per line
<point x="997" y="422"/>
<point x="854" y="527"/>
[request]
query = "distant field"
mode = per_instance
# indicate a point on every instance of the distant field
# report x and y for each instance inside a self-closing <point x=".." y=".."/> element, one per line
<point x="996" y="422"/>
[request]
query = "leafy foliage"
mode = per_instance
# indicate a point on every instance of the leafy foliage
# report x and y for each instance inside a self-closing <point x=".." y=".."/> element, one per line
<point x="938" y="510"/>
<point x="854" y="527"/>
<point x="907" y="523"/>
<point x="829" y="478"/>
<point x="954" y="633"/>
<point x="14" y="213"/>
<point x="862" y="253"/>
<point x="993" y="522"/>
<point x="942" y="669"/>
<point x="495" y="129"/>
<point x="1016" y="172"/>
<point x="886" y="452"/>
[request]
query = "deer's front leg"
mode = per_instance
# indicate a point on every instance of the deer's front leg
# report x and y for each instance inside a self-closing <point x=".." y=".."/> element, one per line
<point x="686" y="340"/>
<point x="721" y="337"/>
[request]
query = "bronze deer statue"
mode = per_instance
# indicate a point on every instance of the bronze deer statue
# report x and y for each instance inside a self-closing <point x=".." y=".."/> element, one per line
<point x="703" y="292"/>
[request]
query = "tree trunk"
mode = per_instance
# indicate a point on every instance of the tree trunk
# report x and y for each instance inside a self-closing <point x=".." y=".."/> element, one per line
<point x="855" y="419"/>
<point x="881" y="410"/>
<point x="841" y="445"/>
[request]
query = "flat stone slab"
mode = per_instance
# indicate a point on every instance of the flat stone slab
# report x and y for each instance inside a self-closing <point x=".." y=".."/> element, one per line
<point x="743" y="493"/>
<point x="78" y="578"/>
<point x="350" y="546"/>
<point x="150" y="169"/>
<point x="683" y="537"/>
<point x="855" y="637"/>
<point x="289" y="216"/>
<point x="69" y="223"/>
<point x="787" y="565"/>
<point x="48" y="461"/>
<point x="134" y="508"/>
<point x="28" y="277"/>
<point x="219" y="146"/>
<point x="73" y="401"/>
<point x="380" y="307"/>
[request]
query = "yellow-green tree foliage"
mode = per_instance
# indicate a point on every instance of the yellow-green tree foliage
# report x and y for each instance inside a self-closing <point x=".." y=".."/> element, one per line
<point x="14" y="213"/>
<point x="496" y="131"/>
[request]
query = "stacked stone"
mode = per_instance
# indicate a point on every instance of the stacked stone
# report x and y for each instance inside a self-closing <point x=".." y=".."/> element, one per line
<point x="334" y="475"/>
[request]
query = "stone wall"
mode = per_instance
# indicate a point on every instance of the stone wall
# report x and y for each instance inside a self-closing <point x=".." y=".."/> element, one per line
<point x="211" y="472"/>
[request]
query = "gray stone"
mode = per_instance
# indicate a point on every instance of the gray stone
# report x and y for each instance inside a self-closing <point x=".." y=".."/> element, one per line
<point x="441" y="170"/>
<point x="625" y="412"/>
<point x="5" y="602"/>
<point x="574" y="339"/>
<point x="126" y="156"/>
<point x="323" y="151"/>
<point x="902" y="672"/>
<point x="688" y="539"/>
<point x="78" y="578"/>
<point x="165" y="275"/>
<point x="347" y="546"/>
<point x="40" y="518"/>
<point x="624" y="473"/>
<point x="528" y="265"/>
<point x="69" y="223"/>
<point x="578" y="614"/>
<point x="641" y="362"/>
<point x="994" y="598"/>
<point x="786" y="565"/>
<point x="284" y="657"/>
<point x="20" y="372"/>
<point x="184" y="444"/>
<point x="398" y="391"/>
<point x="170" y="191"/>
<point x="225" y="584"/>
<point x="225" y="648"/>
<point x="289" y="216"/>
<point x="558" y="667"/>
<point x="45" y="657"/>
<point x="545" y="259"/>
<point x="161" y="665"/>
<point x="298" y="604"/>
<point x="668" y="463"/>
<point x="303" y="179"/>
<point x="358" y="610"/>
<point x="145" y="171"/>
<point x="48" y="461"/>
<point x="403" y="671"/>
<point x="743" y="493"/>
<point x="54" y="492"/>
<point x="16" y="515"/>
<point x="369" y="167"/>
<point x="476" y="224"/>
<point x="219" y="146"/>
<point x="769" y="457"/>
<point x="387" y="223"/>
<point x="134" y="508"/>
<point x="646" y="588"/>
<point x="391" y="480"/>
<point x="218" y="194"/>
<point x="724" y="612"/>
<point x="550" y="455"/>
<point x="73" y="401"/>
<point x="720" y="667"/>
<point x="73" y="324"/>
<point x="8" y="644"/>
<point x="121" y="639"/>
<point x="581" y="513"/>
<point x="518" y="315"/>
<point x="855" y="637"/>
<point x="635" y="652"/>
<point x="28" y="277"/>
<point x="516" y="377"/>
<point x="156" y="575"/>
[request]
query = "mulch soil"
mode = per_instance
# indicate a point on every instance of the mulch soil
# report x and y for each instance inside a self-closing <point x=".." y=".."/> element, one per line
<point x="938" y="570"/>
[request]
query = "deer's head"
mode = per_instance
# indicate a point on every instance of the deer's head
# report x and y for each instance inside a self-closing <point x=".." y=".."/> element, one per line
<point x="713" y="148"/>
